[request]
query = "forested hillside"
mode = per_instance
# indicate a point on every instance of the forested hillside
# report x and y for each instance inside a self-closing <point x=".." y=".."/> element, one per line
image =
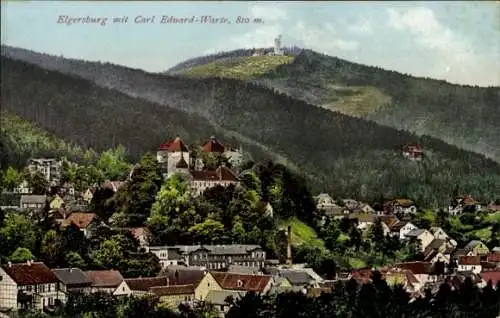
<point x="464" y="116"/>
<point x="347" y="156"/>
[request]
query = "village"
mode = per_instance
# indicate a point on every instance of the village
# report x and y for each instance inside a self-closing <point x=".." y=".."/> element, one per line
<point x="213" y="272"/>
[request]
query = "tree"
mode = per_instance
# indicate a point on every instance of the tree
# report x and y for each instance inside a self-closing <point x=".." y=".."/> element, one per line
<point x="73" y="259"/>
<point x="113" y="164"/>
<point x="50" y="248"/>
<point x="133" y="202"/>
<point x="109" y="255"/>
<point x="18" y="231"/>
<point x="38" y="183"/>
<point x="209" y="231"/>
<point x="11" y="179"/>
<point x="20" y="255"/>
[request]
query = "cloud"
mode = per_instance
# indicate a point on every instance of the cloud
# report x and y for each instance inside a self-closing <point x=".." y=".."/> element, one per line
<point x="361" y="27"/>
<point x="323" y="39"/>
<point x="455" y="58"/>
<point x="268" y="12"/>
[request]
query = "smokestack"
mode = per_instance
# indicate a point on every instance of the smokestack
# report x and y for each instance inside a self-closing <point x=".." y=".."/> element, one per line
<point x="9" y="264"/>
<point x="289" y="245"/>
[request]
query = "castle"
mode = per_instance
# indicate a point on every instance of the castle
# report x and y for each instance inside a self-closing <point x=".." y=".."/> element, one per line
<point x="175" y="157"/>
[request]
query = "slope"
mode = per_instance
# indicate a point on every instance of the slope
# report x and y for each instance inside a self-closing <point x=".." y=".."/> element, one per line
<point x="346" y="156"/>
<point x="460" y="115"/>
<point x="21" y="140"/>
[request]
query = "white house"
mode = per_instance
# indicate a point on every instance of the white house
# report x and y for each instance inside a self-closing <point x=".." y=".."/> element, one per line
<point x="469" y="263"/>
<point x="423" y="236"/>
<point x="401" y="229"/>
<point x="30" y="285"/>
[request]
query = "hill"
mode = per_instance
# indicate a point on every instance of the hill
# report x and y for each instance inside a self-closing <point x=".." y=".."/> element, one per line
<point x="348" y="157"/>
<point x="21" y="140"/>
<point x="464" y="116"/>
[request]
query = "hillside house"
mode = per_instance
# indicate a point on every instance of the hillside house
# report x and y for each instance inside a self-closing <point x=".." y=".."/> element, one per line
<point x="72" y="281"/>
<point x="49" y="167"/>
<point x="106" y="281"/>
<point x="83" y="220"/>
<point x="400" y="206"/>
<point x="469" y="264"/>
<point x="259" y="284"/>
<point x="35" y="202"/>
<point x="439" y="233"/>
<point x="141" y="286"/>
<point x="401" y="229"/>
<point x="476" y="247"/>
<point x="324" y="200"/>
<point x="142" y="235"/>
<point x="88" y="195"/>
<point x="171" y="296"/>
<point x="210" y="256"/>
<point x="413" y="152"/>
<point x="56" y="203"/>
<point x="234" y="155"/>
<point x="463" y="204"/>
<point x="23" y="188"/>
<point x="30" y="285"/>
<point x="421" y="235"/>
<point x="203" y="180"/>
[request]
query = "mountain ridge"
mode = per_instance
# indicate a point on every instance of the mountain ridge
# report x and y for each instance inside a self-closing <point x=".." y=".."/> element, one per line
<point x="347" y="156"/>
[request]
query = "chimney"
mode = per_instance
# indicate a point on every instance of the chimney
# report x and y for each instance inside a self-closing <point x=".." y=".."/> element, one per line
<point x="168" y="281"/>
<point x="289" y="246"/>
<point x="9" y="264"/>
<point x="29" y="262"/>
<point x="70" y="270"/>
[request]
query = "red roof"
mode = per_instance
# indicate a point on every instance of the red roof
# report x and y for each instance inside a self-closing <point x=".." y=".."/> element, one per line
<point x="213" y="145"/>
<point x="416" y="268"/>
<point x="146" y="283"/>
<point x="469" y="260"/>
<point x="172" y="290"/>
<point x="30" y="273"/>
<point x="139" y="231"/>
<point x="80" y="219"/>
<point x="221" y="174"/>
<point x="175" y="145"/>
<point x="105" y="278"/>
<point x="493" y="257"/>
<point x="255" y="283"/>
<point x="493" y="276"/>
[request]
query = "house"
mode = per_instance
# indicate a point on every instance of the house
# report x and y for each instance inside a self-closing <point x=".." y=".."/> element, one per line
<point x="239" y="269"/>
<point x="141" y="286"/>
<point x="413" y="152"/>
<point x="72" y="281"/>
<point x="259" y="284"/>
<point x="400" y="206"/>
<point x="23" y="188"/>
<point x="462" y="204"/>
<point x="423" y="236"/>
<point x="49" y="167"/>
<point x="221" y="300"/>
<point x="113" y="185"/>
<point x="88" y="195"/>
<point x="469" y="263"/>
<point x="298" y="278"/>
<point x="81" y="219"/>
<point x="106" y="281"/>
<point x="493" y="258"/>
<point x="438" y="233"/>
<point x="476" y="248"/>
<point x="210" y="256"/>
<point x="172" y="296"/>
<point x="493" y="276"/>
<point x="30" y="285"/>
<point x="200" y="181"/>
<point x="401" y="229"/>
<point x="180" y="275"/>
<point x="33" y="201"/>
<point x="234" y="155"/>
<point x="423" y="271"/>
<point x="493" y="207"/>
<point x="56" y="203"/>
<point x="364" y="220"/>
<point x="142" y="235"/>
<point x="324" y="200"/>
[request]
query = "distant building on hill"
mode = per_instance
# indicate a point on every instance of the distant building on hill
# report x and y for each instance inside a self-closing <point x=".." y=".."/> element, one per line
<point x="277" y="47"/>
<point x="49" y="167"/>
<point x="413" y="152"/>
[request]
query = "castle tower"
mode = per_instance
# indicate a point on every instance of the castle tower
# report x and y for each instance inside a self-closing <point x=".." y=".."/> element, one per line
<point x="277" y="46"/>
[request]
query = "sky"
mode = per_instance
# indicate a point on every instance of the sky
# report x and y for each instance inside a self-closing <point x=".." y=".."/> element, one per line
<point x="455" y="41"/>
